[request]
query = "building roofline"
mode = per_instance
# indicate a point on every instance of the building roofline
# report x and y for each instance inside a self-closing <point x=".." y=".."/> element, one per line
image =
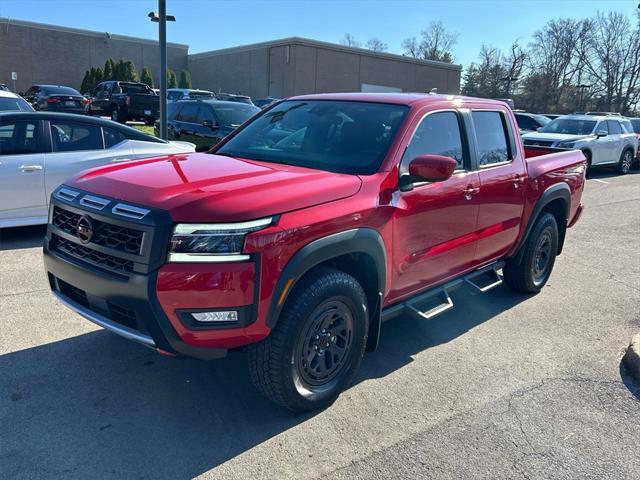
<point x="320" y="44"/>
<point x="7" y="22"/>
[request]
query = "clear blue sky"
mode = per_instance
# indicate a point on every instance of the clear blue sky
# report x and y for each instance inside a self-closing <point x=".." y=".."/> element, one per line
<point x="211" y="24"/>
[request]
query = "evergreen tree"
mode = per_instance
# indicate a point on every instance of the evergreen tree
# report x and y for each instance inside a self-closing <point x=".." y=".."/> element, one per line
<point x="172" y="80"/>
<point x="108" y="69"/>
<point x="129" y="72"/>
<point x="118" y="70"/>
<point x="84" y="87"/>
<point x="99" y="76"/>
<point x="92" y="78"/>
<point x="146" y="77"/>
<point x="185" y="79"/>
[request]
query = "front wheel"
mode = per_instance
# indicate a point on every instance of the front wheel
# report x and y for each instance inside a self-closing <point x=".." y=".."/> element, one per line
<point x="625" y="162"/>
<point x="540" y="249"/>
<point x="317" y="347"/>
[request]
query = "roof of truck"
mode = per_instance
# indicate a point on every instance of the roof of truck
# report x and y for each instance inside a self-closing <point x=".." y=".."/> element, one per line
<point x="396" y="98"/>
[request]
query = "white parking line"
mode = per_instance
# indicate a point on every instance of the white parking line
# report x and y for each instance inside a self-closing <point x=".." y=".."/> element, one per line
<point x="601" y="181"/>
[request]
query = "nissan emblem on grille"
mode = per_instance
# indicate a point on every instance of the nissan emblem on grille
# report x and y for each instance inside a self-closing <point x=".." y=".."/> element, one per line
<point x="84" y="229"/>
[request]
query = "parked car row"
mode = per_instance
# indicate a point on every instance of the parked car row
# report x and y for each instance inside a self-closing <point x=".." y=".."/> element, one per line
<point x="605" y="140"/>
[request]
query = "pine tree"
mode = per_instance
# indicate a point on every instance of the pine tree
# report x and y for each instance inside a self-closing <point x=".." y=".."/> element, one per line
<point x="99" y="76"/>
<point x="92" y="78"/>
<point x="185" y="79"/>
<point x="130" y="73"/>
<point x="146" y="77"/>
<point x="108" y="69"/>
<point x="118" y="70"/>
<point x="172" y="81"/>
<point x="85" y="87"/>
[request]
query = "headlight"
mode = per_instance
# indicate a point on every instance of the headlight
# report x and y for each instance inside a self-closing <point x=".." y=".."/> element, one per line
<point x="212" y="242"/>
<point x="566" y="144"/>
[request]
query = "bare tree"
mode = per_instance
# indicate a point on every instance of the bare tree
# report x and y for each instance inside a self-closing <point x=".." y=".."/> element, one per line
<point x="435" y="44"/>
<point x="377" y="45"/>
<point x="612" y="59"/>
<point x="350" y="41"/>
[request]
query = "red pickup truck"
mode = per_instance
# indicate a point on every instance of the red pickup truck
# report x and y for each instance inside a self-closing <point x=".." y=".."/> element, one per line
<point x="301" y="232"/>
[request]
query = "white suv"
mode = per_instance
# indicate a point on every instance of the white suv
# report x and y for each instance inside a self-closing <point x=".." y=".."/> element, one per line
<point x="605" y="140"/>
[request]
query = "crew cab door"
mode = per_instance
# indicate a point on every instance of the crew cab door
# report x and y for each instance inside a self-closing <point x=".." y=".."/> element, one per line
<point x="21" y="172"/>
<point x="434" y="224"/>
<point x="503" y="177"/>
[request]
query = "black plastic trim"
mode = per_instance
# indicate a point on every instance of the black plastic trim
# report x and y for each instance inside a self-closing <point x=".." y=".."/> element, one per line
<point x="359" y="240"/>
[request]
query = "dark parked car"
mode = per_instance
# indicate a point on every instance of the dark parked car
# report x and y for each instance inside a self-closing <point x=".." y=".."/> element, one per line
<point x="4" y="87"/>
<point x="124" y="101"/>
<point x="56" y="98"/>
<point x="530" y="122"/>
<point x="232" y="97"/>
<point x="264" y="102"/>
<point x="206" y="122"/>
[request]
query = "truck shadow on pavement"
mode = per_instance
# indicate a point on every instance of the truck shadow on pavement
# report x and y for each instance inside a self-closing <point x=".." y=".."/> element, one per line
<point x="96" y="405"/>
<point x="22" y="237"/>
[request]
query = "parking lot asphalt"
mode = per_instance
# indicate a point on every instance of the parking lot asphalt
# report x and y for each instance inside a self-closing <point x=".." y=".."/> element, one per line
<point x="502" y="386"/>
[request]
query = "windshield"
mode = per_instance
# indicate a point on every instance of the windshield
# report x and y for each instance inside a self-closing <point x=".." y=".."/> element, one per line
<point x="338" y="136"/>
<point x="60" y="91"/>
<point x="234" y="115"/>
<point x="569" y="126"/>
<point x="18" y="104"/>
<point x="636" y="125"/>
<point x="200" y="93"/>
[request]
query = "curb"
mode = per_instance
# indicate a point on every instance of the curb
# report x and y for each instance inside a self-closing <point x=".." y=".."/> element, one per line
<point x="631" y="359"/>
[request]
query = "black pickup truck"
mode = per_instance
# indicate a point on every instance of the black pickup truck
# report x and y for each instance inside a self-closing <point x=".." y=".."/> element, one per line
<point x="124" y="101"/>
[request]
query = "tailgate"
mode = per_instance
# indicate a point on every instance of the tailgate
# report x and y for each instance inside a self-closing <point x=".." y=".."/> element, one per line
<point x="140" y="102"/>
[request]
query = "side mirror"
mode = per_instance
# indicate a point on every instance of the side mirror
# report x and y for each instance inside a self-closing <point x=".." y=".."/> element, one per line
<point x="210" y="124"/>
<point x="601" y="133"/>
<point x="431" y="168"/>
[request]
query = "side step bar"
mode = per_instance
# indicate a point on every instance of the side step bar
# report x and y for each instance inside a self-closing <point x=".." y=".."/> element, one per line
<point x="432" y="303"/>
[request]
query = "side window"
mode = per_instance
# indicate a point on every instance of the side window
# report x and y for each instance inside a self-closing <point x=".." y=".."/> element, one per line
<point x="206" y="114"/>
<point x="614" y="127"/>
<point x="526" y="123"/>
<point x="112" y="137"/>
<point x="491" y="136"/>
<point x="602" y="127"/>
<point x="69" y="137"/>
<point x="188" y="113"/>
<point x="626" y="126"/>
<point x="18" y="138"/>
<point x="438" y="134"/>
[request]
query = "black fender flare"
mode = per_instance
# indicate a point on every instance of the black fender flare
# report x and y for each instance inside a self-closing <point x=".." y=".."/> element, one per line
<point x="557" y="191"/>
<point x="357" y="240"/>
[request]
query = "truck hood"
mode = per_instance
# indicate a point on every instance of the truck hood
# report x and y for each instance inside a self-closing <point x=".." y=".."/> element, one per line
<point x="554" y="137"/>
<point x="200" y="187"/>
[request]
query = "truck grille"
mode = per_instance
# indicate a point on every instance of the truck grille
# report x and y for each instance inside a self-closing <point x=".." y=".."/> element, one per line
<point x="89" y="255"/>
<point x="124" y="239"/>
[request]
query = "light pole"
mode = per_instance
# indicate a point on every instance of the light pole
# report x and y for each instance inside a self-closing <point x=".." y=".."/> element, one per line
<point x="582" y="87"/>
<point x="162" y="18"/>
<point x="509" y="79"/>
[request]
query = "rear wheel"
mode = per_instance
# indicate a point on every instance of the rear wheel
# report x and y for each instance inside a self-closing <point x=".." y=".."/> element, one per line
<point x="625" y="162"/>
<point x="534" y="269"/>
<point x="317" y="347"/>
<point x="118" y="115"/>
<point x="587" y="155"/>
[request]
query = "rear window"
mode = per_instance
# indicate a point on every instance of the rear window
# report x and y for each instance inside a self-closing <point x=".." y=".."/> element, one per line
<point x="14" y="104"/>
<point x="491" y="137"/>
<point x="234" y="115"/>
<point x="132" y="88"/>
<point x="60" y="91"/>
<point x="636" y="125"/>
<point x="338" y="136"/>
<point x="112" y="137"/>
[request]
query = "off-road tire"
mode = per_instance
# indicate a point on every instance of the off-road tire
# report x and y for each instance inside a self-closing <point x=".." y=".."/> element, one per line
<point x="526" y="276"/>
<point x="275" y="364"/>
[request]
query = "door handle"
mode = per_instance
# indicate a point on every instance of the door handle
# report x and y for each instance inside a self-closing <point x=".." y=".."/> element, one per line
<point x="470" y="191"/>
<point x="517" y="180"/>
<point x="30" y="168"/>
